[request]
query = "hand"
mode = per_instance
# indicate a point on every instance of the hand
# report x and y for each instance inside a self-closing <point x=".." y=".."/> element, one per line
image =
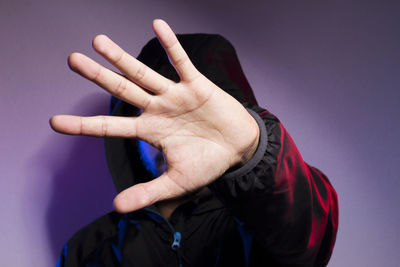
<point x="201" y="130"/>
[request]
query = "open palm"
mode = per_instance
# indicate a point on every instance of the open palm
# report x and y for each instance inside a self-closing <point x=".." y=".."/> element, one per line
<point x="201" y="130"/>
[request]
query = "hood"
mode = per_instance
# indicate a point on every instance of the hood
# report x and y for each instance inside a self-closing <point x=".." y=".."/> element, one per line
<point x="214" y="57"/>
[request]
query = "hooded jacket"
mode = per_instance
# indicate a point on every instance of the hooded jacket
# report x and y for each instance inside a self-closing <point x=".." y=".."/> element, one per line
<point x="276" y="210"/>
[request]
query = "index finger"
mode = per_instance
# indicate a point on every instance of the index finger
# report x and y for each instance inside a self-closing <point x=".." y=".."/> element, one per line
<point x="176" y="53"/>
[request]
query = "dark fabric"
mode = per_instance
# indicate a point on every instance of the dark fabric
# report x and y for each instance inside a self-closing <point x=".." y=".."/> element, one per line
<point x="276" y="210"/>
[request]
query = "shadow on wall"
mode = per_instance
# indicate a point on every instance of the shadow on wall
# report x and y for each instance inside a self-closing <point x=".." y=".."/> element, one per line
<point x="81" y="188"/>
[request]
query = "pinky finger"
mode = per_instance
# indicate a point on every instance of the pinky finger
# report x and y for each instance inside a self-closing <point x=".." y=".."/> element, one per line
<point x="100" y="126"/>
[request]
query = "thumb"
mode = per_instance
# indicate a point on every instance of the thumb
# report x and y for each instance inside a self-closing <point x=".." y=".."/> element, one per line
<point x="145" y="194"/>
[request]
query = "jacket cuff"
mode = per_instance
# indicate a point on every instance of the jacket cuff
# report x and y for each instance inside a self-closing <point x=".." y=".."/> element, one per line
<point x="258" y="155"/>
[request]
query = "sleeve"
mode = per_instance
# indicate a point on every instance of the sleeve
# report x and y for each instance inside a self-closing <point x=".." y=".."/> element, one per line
<point x="289" y="207"/>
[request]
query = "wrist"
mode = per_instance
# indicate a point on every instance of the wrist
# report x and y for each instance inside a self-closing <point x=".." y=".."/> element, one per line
<point x="253" y="144"/>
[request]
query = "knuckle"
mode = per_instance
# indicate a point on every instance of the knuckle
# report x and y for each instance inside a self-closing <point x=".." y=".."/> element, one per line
<point x="121" y="88"/>
<point x="146" y="102"/>
<point x="97" y="74"/>
<point x="144" y="200"/>
<point x="118" y="59"/>
<point x="165" y="87"/>
<point x="104" y="126"/>
<point x="140" y="73"/>
<point x="81" y="126"/>
<point x="180" y="61"/>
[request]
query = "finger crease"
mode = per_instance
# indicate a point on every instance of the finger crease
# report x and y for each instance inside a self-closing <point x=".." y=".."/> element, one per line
<point x="140" y="73"/>
<point x="147" y="101"/>
<point x="121" y="88"/>
<point x="172" y="45"/>
<point x="165" y="87"/>
<point x="97" y="74"/>
<point x="104" y="126"/>
<point x="81" y="127"/>
<point x="180" y="61"/>
<point x="119" y="59"/>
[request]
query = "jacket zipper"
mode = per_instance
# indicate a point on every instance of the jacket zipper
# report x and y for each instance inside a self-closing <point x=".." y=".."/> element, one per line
<point x="176" y="235"/>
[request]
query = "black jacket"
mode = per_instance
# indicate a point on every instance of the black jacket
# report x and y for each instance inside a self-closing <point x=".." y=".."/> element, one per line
<point x="274" y="211"/>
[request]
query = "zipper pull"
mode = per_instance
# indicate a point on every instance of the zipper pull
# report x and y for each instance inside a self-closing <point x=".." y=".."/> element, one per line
<point x="177" y="240"/>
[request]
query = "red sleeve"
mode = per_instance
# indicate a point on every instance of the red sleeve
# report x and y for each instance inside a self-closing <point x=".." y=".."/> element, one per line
<point x="289" y="207"/>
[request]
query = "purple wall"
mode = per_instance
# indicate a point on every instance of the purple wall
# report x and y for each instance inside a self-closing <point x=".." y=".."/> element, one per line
<point x="328" y="70"/>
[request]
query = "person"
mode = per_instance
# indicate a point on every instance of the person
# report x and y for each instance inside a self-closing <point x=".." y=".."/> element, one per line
<point x="205" y="176"/>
